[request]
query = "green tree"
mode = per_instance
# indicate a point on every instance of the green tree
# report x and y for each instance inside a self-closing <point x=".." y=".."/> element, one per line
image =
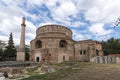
<point x="104" y="47"/>
<point x="2" y="44"/>
<point x="1" y="54"/>
<point x="10" y="52"/>
<point x="111" y="46"/>
<point x="117" y="22"/>
<point x="27" y="52"/>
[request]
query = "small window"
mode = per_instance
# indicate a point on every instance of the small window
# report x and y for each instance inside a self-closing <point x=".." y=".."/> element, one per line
<point x="80" y="52"/>
<point x="49" y="54"/>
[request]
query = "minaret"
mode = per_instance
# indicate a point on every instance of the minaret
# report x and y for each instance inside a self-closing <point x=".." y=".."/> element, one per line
<point x="22" y="40"/>
<point x="21" y="50"/>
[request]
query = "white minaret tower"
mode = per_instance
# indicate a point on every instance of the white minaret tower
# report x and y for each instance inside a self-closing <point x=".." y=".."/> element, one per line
<point x="21" y="50"/>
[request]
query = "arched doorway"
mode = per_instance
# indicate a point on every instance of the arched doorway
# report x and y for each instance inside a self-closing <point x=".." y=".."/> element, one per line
<point x="37" y="59"/>
<point x="63" y="58"/>
<point x="97" y="52"/>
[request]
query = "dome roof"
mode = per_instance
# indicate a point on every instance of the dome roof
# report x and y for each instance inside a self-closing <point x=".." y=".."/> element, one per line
<point x="53" y="29"/>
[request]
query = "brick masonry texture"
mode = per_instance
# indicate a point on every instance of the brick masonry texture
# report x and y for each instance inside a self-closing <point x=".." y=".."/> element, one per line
<point x="54" y="44"/>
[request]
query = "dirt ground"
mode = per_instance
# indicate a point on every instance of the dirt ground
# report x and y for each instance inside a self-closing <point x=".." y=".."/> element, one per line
<point x="83" y="71"/>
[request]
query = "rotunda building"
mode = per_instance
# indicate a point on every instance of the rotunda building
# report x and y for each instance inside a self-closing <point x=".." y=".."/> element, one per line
<point x="54" y="44"/>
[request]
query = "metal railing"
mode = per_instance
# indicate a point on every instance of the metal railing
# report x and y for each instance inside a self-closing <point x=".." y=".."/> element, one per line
<point x="17" y="64"/>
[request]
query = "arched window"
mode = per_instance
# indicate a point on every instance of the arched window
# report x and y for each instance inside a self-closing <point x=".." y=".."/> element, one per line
<point x="63" y="44"/>
<point x="80" y="52"/>
<point x="84" y="52"/>
<point x="38" y="44"/>
<point x="63" y="58"/>
<point x="49" y="54"/>
<point x="97" y="52"/>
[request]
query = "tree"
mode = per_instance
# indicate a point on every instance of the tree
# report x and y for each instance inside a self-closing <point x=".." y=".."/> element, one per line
<point x="1" y="54"/>
<point x="2" y="48"/>
<point x="10" y="52"/>
<point x="117" y="23"/>
<point x="27" y="52"/>
<point x="104" y="47"/>
<point x="111" y="46"/>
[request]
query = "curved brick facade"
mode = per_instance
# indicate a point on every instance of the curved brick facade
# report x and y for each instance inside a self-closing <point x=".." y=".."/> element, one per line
<point x="54" y="44"/>
<point x="53" y="31"/>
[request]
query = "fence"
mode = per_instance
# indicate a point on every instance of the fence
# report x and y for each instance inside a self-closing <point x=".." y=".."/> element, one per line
<point x="16" y="64"/>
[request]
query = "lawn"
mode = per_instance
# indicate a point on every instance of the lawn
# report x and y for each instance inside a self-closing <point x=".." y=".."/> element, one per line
<point x="82" y="71"/>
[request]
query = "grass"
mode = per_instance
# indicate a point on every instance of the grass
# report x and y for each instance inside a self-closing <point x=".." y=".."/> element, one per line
<point x="82" y="71"/>
<point x="51" y="76"/>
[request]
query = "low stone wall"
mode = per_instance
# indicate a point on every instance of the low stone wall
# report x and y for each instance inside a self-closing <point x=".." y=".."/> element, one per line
<point x="16" y="69"/>
<point x="107" y="59"/>
<point x="118" y="59"/>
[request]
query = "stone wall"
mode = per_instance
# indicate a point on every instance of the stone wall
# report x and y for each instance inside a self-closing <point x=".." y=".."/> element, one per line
<point x="107" y="59"/>
<point x="51" y="46"/>
<point x="86" y="50"/>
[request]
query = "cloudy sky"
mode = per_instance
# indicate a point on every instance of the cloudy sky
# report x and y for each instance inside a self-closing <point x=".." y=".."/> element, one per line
<point x="88" y="19"/>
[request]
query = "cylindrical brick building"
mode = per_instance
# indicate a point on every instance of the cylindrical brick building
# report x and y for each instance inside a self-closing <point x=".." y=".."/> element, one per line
<point x="54" y="44"/>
